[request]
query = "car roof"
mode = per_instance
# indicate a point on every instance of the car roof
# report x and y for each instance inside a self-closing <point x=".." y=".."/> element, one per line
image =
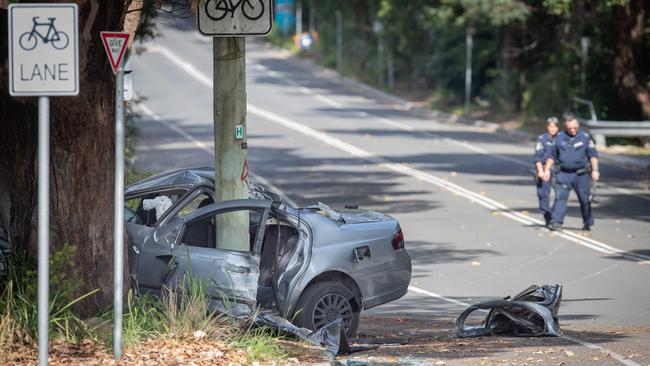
<point x="182" y="178"/>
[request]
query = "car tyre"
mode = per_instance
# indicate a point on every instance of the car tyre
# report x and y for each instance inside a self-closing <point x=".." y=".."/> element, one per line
<point x="324" y="302"/>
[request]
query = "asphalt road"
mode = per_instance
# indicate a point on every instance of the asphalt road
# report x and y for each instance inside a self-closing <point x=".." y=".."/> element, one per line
<point x="462" y="194"/>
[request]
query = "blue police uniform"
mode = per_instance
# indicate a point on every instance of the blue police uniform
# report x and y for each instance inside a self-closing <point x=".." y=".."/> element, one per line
<point x="545" y="143"/>
<point x="572" y="154"/>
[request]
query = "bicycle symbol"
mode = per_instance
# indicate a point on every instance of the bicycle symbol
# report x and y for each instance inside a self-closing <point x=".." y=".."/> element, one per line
<point x="218" y="9"/>
<point x="29" y="40"/>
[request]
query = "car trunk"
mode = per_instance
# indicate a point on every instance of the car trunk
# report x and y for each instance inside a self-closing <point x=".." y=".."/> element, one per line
<point x="349" y="215"/>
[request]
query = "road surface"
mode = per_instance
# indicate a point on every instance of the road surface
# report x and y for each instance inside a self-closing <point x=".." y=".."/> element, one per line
<point x="462" y="195"/>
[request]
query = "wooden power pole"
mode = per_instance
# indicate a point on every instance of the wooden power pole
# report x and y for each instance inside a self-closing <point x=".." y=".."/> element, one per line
<point x="231" y="168"/>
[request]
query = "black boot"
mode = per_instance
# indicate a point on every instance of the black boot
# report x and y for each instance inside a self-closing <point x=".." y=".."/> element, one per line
<point x="547" y="218"/>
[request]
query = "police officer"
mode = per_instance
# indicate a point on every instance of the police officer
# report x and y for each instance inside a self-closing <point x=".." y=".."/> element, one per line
<point x="545" y="143"/>
<point x="575" y="153"/>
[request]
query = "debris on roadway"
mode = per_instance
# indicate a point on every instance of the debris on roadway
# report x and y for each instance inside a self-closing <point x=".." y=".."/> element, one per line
<point x="531" y="313"/>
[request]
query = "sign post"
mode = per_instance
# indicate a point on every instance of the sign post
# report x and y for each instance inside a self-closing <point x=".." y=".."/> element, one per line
<point x="115" y="45"/>
<point x="43" y="62"/>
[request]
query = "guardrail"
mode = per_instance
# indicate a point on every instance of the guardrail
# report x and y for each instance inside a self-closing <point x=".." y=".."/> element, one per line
<point x="600" y="130"/>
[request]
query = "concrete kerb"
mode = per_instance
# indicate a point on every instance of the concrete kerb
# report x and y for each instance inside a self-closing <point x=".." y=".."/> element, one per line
<point x="408" y="107"/>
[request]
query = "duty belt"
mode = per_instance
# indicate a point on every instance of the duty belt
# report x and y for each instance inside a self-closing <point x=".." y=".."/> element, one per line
<point x="578" y="171"/>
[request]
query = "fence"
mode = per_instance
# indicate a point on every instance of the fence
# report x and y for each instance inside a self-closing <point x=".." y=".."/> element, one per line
<point x="600" y="130"/>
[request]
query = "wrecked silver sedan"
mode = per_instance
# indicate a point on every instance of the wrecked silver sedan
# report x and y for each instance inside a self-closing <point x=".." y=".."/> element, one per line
<point x="312" y="265"/>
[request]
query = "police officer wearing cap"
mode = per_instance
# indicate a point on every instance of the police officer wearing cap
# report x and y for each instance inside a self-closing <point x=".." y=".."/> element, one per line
<point x="545" y="143"/>
<point x="575" y="153"/>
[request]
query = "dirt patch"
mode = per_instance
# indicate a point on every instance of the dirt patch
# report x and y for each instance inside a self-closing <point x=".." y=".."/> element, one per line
<point x="422" y="341"/>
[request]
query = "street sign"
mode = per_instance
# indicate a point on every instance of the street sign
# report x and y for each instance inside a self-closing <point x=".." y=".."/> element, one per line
<point x="43" y="50"/>
<point x="284" y="15"/>
<point x="115" y="45"/>
<point x="239" y="132"/>
<point x="227" y="18"/>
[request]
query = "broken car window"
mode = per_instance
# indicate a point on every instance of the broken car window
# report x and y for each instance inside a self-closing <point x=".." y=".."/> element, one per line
<point x="233" y="230"/>
<point x="197" y="202"/>
<point x="147" y="209"/>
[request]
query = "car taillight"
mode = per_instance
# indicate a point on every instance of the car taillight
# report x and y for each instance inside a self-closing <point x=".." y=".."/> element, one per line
<point x="398" y="239"/>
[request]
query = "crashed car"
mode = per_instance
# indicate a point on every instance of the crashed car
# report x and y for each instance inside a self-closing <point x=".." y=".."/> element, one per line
<point x="311" y="265"/>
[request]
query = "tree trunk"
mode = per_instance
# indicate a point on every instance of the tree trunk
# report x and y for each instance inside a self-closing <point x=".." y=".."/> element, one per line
<point x="630" y="64"/>
<point x="82" y="160"/>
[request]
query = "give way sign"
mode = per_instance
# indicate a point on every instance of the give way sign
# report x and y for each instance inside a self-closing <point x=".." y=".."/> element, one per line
<point x="115" y="45"/>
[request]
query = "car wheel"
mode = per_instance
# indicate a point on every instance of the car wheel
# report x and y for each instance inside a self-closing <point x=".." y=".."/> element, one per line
<point x="324" y="302"/>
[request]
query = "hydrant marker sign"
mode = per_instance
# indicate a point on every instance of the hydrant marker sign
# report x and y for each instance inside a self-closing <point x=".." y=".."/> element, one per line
<point x="43" y="49"/>
<point x="115" y="45"/>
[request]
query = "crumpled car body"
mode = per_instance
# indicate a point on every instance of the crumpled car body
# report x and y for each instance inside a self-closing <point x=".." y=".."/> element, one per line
<point x="311" y="265"/>
<point x="531" y="313"/>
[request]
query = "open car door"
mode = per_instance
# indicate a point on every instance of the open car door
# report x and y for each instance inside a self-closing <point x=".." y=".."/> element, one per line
<point x="220" y="245"/>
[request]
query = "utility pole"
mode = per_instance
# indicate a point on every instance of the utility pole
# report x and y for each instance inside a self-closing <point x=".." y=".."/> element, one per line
<point x="231" y="167"/>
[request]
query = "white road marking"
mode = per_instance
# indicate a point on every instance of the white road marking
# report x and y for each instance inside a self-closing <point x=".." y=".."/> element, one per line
<point x="405" y="127"/>
<point x="202" y="146"/>
<point x="401" y="168"/>
<point x="620" y="358"/>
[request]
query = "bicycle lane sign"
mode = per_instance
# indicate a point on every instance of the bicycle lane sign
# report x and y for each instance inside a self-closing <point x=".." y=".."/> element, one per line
<point x="43" y="50"/>
<point x="228" y="18"/>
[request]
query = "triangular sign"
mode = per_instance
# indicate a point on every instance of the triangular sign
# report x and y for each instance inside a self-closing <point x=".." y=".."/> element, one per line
<point x="115" y="45"/>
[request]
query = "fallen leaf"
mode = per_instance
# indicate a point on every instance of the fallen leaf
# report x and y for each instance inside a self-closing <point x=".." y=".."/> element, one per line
<point x="569" y="353"/>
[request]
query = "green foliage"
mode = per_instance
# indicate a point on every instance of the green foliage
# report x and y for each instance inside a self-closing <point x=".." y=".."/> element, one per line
<point x="260" y="344"/>
<point x="147" y="28"/>
<point x="19" y="306"/>
<point x="526" y="55"/>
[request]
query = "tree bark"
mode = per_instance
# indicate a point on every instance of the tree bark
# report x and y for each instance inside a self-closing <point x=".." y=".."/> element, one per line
<point x="630" y="63"/>
<point x="82" y="160"/>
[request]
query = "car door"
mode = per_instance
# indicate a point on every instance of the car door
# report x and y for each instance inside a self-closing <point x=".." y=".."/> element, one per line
<point x="228" y="266"/>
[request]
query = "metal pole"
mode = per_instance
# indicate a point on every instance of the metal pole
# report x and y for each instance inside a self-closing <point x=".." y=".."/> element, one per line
<point x="118" y="231"/>
<point x="312" y="27"/>
<point x="391" y="71"/>
<point x="299" y="18"/>
<point x="469" y="42"/>
<point x="43" y="226"/>
<point x="584" y="43"/>
<point x="339" y="43"/>
<point x="380" y="59"/>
